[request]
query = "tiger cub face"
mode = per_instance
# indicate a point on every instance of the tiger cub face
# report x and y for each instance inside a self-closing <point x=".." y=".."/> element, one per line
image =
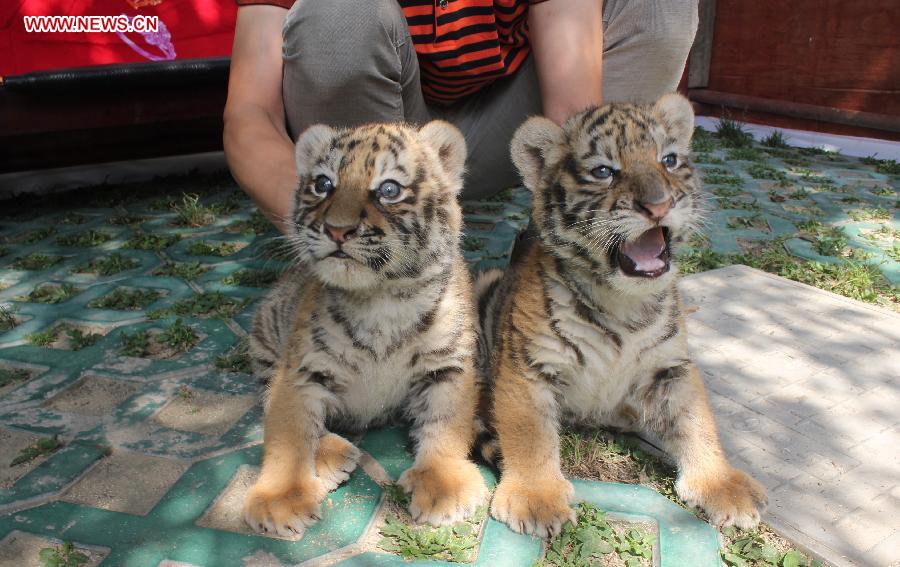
<point x="614" y="189"/>
<point x="376" y="205"/>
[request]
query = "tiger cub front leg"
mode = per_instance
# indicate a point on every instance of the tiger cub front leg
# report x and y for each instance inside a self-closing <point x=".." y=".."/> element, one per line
<point x="445" y="485"/>
<point x="288" y="495"/>
<point x="705" y="477"/>
<point x="533" y="496"/>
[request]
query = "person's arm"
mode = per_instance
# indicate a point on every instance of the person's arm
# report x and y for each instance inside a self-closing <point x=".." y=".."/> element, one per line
<point x="567" y="46"/>
<point x="257" y="146"/>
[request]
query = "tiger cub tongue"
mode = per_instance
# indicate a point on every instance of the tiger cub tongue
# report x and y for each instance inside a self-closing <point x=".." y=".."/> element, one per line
<point x="646" y="250"/>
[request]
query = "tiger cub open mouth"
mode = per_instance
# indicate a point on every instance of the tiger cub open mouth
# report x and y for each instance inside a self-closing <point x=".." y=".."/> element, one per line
<point x="647" y="256"/>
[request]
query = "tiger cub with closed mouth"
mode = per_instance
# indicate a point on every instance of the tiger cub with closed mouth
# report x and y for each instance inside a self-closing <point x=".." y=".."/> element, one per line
<point x="586" y="326"/>
<point x="374" y="321"/>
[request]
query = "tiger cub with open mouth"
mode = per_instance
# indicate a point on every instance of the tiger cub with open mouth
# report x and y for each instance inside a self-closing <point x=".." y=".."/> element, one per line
<point x="374" y="321"/>
<point x="586" y="326"/>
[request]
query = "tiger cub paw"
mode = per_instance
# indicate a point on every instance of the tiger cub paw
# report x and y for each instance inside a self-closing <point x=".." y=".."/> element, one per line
<point x="444" y="492"/>
<point x="286" y="513"/>
<point x="336" y="458"/>
<point x="730" y="497"/>
<point x="538" y="508"/>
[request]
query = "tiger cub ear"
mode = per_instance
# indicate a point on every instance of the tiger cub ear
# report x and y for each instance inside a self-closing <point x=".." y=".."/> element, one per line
<point x="677" y="115"/>
<point x="312" y="144"/>
<point x="533" y="145"/>
<point x="450" y="146"/>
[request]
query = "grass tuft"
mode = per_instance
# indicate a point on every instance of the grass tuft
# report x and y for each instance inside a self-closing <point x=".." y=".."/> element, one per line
<point x="876" y="214"/>
<point x="186" y="270"/>
<point x="256" y="225"/>
<point x="202" y="248"/>
<point x="762" y="171"/>
<point x="126" y="299"/>
<point x="889" y="166"/>
<point x="35" y="262"/>
<point x="249" y="277"/>
<point x="593" y="538"/>
<point x="40" y="447"/>
<point x="154" y="242"/>
<point x="237" y="359"/>
<point x="775" y="140"/>
<point x="64" y="555"/>
<point x="850" y="277"/>
<point x="52" y="293"/>
<point x="209" y="304"/>
<point x="723" y="179"/>
<point x="456" y="543"/>
<point x="8" y="319"/>
<point x="753" y="548"/>
<point x="11" y="376"/>
<point x="745" y="154"/>
<point x="108" y="265"/>
<point x="176" y="338"/>
<point x="78" y="339"/>
<point x="34" y="236"/>
<point x="191" y="213"/>
<point x="135" y="344"/>
<point x="123" y="217"/>
<point x="733" y="134"/>
<point x="702" y="141"/>
<point x="84" y="239"/>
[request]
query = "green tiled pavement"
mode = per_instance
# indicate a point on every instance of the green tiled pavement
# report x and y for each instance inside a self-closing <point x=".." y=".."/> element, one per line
<point x="761" y="194"/>
<point x="194" y="412"/>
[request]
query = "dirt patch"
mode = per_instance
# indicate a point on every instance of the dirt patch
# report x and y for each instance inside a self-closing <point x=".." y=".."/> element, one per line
<point x="11" y="444"/>
<point x="751" y="246"/>
<point x="93" y="396"/>
<point x="71" y="336"/>
<point x="127" y="482"/>
<point x="203" y="412"/>
<point x="21" y="549"/>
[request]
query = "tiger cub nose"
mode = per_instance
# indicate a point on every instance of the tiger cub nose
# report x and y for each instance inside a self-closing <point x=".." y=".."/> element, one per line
<point x="655" y="211"/>
<point x="340" y="234"/>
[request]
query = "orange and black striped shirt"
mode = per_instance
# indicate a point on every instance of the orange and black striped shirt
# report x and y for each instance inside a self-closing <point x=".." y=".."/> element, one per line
<point x="462" y="45"/>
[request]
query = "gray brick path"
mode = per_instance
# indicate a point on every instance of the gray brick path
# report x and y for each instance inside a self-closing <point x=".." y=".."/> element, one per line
<point x="804" y="384"/>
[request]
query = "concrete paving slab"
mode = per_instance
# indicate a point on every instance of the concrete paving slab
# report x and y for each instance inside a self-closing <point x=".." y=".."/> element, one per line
<point x="810" y="404"/>
<point x="11" y="444"/>
<point x="202" y="411"/>
<point x="22" y="549"/>
<point x="112" y="483"/>
<point x="93" y="396"/>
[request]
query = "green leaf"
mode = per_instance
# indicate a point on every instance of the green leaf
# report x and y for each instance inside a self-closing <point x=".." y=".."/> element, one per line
<point x="463" y="529"/>
<point x="730" y="531"/>
<point x="770" y="554"/>
<point x="792" y="559"/>
<point x="735" y="560"/>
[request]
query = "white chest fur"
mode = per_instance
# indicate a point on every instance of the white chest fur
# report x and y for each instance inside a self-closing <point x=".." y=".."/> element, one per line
<point x="599" y="362"/>
<point x="374" y="352"/>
